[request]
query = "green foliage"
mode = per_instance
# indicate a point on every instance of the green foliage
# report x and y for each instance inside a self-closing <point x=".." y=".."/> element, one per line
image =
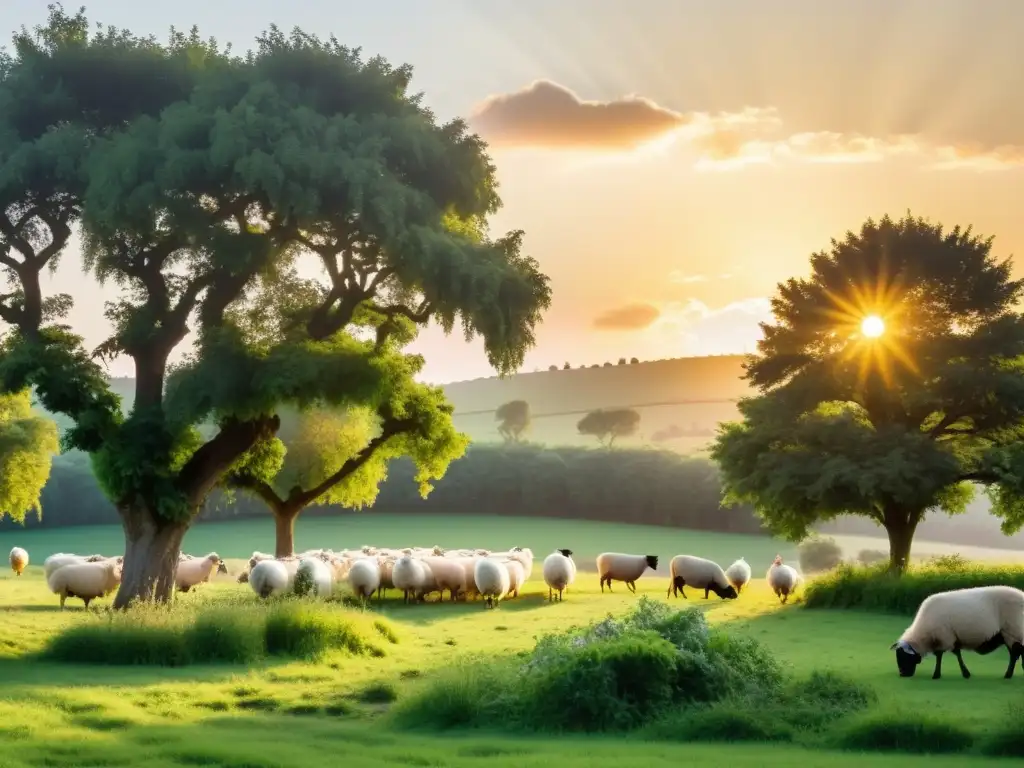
<point x="27" y="445"/>
<point x="871" y="556"/>
<point x="914" y="732"/>
<point x="611" y="675"/>
<point x="819" y="553"/>
<point x="1006" y="740"/>
<point x="241" y="633"/>
<point x="875" y="589"/>
<point x="890" y="427"/>
<point x="609" y="424"/>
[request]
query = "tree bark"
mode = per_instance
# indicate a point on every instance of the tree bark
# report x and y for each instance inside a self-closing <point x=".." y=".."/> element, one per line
<point x="900" y="527"/>
<point x="150" y="556"/>
<point x="284" y="523"/>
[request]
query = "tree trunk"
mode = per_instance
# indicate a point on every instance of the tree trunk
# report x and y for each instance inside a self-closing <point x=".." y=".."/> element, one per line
<point x="284" y="524"/>
<point x="150" y="556"/>
<point x="900" y="529"/>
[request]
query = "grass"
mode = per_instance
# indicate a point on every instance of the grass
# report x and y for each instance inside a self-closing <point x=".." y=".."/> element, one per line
<point x="343" y="702"/>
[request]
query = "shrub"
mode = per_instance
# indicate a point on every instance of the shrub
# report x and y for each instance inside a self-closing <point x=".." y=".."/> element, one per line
<point x="819" y="554"/>
<point x="611" y="675"/>
<point x="1006" y="742"/>
<point x="874" y="588"/>
<point x="890" y="732"/>
<point x="872" y="556"/>
<point x="303" y="584"/>
<point x="217" y="633"/>
<point x="720" y="722"/>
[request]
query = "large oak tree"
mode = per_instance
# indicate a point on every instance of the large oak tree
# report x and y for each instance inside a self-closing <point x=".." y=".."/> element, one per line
<point x="886" y="426"/>
<point x="209" y="200"/>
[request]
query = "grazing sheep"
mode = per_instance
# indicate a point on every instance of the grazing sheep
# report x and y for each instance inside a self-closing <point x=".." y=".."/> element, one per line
<point x="86" y="581"/>
<point x="782" y="579"/>
<point x="468" y="565"/>
<point x="492" y="580"/>
<point x="615" y="566"/>
<point x="738" y="574"/>
<point x="559" y="572"/>
<point x="698" y="573"/>
<point x="448" y="574"/>
<point x="318" y="573"/>
<point x="60" y="559"/>
<point x="269" y="577"/>
<point x="387" y="566"/>
<point x="197" y="571"/>
<point x="364" y="577"/>
<point x="978" y="619"/>
<point x="19" y="559"/>
<point x="408" y="576"/>
<point x="516" y="576"/>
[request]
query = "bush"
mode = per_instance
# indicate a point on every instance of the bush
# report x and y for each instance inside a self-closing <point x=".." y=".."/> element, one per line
<point x="819" y="554"/>
<point x="872" y="557"/>
<point x="890" y="732"/>
<point x="874" y="588"/>
<point x="719" y="723"/>
<point x="614" y="674"/>
<point x="214" y="633"/>
<point x="1007" y="742"/>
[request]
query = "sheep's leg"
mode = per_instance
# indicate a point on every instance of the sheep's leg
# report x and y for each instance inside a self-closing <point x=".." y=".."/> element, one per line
<point x="938" y="666"/>
<point x="63" y="597"/>
<point x="668" y="592"/>
<point x="86" y="600"/>
<point x="631" y="586"/>
<point x="707" y="591"/>
<point x="559" y="595"/>
<point x="1016" y="651"/>
<point x="960" y="661"/>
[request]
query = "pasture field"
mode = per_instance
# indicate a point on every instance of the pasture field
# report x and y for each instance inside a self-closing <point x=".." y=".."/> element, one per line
<point x="294" y="713"/>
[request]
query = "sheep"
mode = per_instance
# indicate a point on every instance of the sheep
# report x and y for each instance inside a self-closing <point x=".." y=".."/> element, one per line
<point x="492" y="580"/>
<point x="782" y="579"/>
<point x="60" y="559"/>
<point x="698" y="573"/>
<point x="628" y="568"/>
<point x="19" y="560"/>
<point x="387" y="566"/>
<point x="468" y="565"/>
<point x="738" y="574"/>
<point x="448" y="575"/>
<point x="516" y="576"/>
<point x="408" y="575"/>
<point x="86" y="581"/>
<point x="979" y="619"/>
<point x="364" y="577"/>
<point x="196" y="571"/>
<point x="319" y="574"/>
<point x="559" y="572"/>
<point x="269" y="577"/>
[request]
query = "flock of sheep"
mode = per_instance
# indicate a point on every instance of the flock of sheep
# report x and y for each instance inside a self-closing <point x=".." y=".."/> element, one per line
<point x="981" y="619"/>
<point x="416" y="572"/>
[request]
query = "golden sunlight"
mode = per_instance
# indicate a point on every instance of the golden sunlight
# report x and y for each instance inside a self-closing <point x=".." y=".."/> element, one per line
<point x="872" y="326"/>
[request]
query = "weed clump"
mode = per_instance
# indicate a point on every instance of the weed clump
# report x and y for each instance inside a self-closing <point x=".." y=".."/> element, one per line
<point x="916" y="733"/>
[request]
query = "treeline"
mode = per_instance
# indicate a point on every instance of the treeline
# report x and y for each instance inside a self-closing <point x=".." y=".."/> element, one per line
<point x="644" y="486"/>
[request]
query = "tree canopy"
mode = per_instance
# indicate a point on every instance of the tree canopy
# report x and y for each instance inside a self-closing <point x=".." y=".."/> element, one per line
<point x="298" y="209"/>
<point x="886" y="426"/>
<point x="514" y="417"/>
<point x="609" y="424"/>
<point x="27" y="445"/>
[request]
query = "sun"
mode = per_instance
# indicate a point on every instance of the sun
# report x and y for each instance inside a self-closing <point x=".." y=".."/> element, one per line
<point x="872" y="326"/>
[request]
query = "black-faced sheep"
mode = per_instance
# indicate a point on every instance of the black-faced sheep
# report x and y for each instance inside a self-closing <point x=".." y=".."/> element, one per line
<point x="696" y="572"/>
<point x="559" y="572"/>
<point x="615" y="566"/>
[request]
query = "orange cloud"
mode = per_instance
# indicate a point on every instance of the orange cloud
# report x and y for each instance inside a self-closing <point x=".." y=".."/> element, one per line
<point x="631" y="317"/>
<point x="550" y="116"/>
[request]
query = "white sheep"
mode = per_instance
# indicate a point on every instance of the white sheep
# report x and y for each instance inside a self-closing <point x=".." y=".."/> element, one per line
<point x="269" y="577"/>
<point x="448" y="574"/>
<point x="738" y="574"/>
<point x="197" y="571"/>
<point x="59" y="559"/>
<point x="19" y="560"/>
<point x="364" y="577"/>
<point x="387" y="566"/>
<point x="699" y="573"/>
<point x="615" y="566"/>
<point x="86" y="581"/>
<point x="516" y="576"/>
<point x="978" y="619"/>
<point x="318" y="573"/>
<point x="408" y="576"/>
<point x="559" y="572"/>
<point x="782" y="579"/>
<point x="492" y="580"/>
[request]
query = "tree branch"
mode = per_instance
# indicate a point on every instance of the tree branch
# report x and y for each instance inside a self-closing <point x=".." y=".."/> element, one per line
<point x="207" y="465"/>
<point x="259" y="489"/>
<point x="391" y="428"/>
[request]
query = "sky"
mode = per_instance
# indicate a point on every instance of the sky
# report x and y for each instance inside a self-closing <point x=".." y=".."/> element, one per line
<point x="671" y="161"/>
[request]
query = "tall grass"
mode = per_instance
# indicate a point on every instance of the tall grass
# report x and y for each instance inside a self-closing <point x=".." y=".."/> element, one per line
<point x="243" y="632"/>
<point x="874" y="588"/>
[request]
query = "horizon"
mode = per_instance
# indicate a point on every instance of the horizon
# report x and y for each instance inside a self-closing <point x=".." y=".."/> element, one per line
<point x="734" y="160"/>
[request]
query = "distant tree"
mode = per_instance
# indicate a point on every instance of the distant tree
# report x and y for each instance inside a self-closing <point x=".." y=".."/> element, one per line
<point x="893" y="426"/>
<point x="552" y="367"/>
<point x="609" y="424"/>
<point x="27" y="445"/>
<point x="622" y="361"/>
<point x="515" y="420"/>
<point x="634" y="360"/>
<point x="608" y="364"/>
<point x="596" y="365"/>
<point x="566" y="367"/>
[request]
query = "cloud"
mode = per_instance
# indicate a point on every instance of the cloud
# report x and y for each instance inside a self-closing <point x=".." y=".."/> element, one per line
<point x="546" y="115"/>
<point x="694" y="328"/>
<point x="630" y="317"/>
<point x="679" y="277"/>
